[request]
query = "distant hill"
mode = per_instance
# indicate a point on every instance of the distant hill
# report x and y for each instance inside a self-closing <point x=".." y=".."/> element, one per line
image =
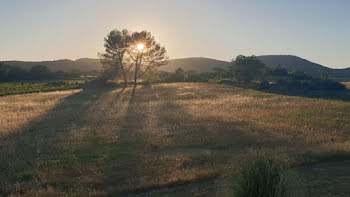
<point x="198" y="64"/>
<point x="291" y="63"/>
<point x="294" y="63"/>
<point x="83" y="64"/>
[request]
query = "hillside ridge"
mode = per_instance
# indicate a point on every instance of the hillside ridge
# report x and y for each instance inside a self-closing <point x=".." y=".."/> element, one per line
<point x="197" y="64"/>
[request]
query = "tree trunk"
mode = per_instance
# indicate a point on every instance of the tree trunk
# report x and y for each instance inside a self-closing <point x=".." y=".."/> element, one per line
<point x="135" y="77"/>
<point x="123" y="71"/>
<point x="137" y="66"/>
<point x="125" y="78"/>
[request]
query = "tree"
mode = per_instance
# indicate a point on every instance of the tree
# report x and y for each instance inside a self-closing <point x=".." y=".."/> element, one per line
<point x="16" y="73"/>
<point x="75" y="73"/>
<point x="116" y="45"/>
<point x="179" y="75"/>
<point x="220" y="72"/>
<point x="325" y="75"/>
<point x="279" y="71"/>
<point x="247" y="68"/>
<point x="300" y="75"/>
<point x="145" y="53"/>
<point x="39" y="72"/>
<point x="4" y="69"/>
<point x="126" y="51"/>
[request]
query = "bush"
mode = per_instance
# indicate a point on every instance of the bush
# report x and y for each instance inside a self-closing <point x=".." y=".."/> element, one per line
<point x="264" y="85"/>
<point x="325" y="84"/>
<point x="200" y="77"/>
<point x="278" y="71"/>
<point x="219" y="80"/>
<point x="26" y="87"/>
<point x="300" y="75"/>
<point x="101" y="83"/>
<point x="179" y="75"/>
<point x="57" y="83"/>
<point x="267" y="174"/>
<point x="284" y="84"/>
<point x="313" y="84"/>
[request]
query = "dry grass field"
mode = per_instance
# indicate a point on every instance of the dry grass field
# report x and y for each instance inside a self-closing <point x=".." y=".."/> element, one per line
<point x="347" y="84"/>
<point x="178" y="139"/>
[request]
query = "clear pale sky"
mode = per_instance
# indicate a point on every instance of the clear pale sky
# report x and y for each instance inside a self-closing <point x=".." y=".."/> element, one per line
<point x="318" y="30"/>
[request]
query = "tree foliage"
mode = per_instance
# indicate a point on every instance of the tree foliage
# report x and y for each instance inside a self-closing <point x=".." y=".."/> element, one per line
<point x="247" y="68"/>
<point x="151" y="56"/>
<point x="278" y="71"/>
<point x="39" y="72"/>
<point x="122" y="55"/>
<point x="114" y="58"/>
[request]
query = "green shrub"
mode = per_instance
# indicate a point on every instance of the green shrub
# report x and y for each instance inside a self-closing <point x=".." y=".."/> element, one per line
<point x="267" y="174"/>
<point x="264" y="85"/>
<point x="290" y="84"/>
<point x="30" y="87"/>
<point x="313" y="84"/>
<point x="325" y="84"/>
<point x="25" y="176"/>
<point x="220" y="80"/>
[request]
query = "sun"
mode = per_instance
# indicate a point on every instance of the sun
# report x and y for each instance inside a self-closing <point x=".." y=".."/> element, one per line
<point x="140" y="46"/>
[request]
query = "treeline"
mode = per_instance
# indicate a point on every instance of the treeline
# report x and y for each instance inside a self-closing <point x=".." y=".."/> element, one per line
<point x="251" y="72"/>
<point x="15" y="73"/>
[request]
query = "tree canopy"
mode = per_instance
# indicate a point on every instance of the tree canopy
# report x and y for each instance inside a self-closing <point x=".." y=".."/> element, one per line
<point x="247" y="68"/>
<point x="127" y="51"/>
<point x="114" y="60"/>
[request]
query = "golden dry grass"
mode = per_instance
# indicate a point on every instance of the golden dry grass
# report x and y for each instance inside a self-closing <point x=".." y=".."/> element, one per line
<point x="19" y="110"/>
<point x="175" y="139"/>
<point x="347" y="84"/>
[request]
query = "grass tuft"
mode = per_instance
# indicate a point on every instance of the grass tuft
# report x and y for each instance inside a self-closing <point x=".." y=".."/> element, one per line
<point x="25" y="176"/>
<point x="267" y="174"/>
<point x="89" y="155"/>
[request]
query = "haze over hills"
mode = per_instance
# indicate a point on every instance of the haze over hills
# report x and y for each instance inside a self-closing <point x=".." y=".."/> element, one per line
<point x="291" y="63"/>
<point x="82" y="64"/>
<point x="294" y="63"/>
<point x="198" y="64"/>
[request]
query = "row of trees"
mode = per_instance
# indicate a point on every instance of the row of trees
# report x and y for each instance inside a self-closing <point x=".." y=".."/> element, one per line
<point x="130" y="54"/>
<point x="248" y="68"/>
<point x="251" y="68"/>
<point x="244" y="70"/>
<point x="39" y="72"/>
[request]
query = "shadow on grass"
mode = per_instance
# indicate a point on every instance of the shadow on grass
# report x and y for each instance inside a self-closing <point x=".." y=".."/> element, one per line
<point x="154" y="156"/>
<point x="25" y="149"/>
<point x="340" y="95"/>
<point x="125" y="171"/>
<point x="131" y="171"/>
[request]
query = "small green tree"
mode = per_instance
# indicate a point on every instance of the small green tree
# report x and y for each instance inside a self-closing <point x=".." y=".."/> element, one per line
<point x="39" y="72"/>
<point x="4" y="69"/>
<point x="179" y="75"/>
<point x="278" y="71"/>
<point x="247" y="68"/>
<point x="325" y="75"/>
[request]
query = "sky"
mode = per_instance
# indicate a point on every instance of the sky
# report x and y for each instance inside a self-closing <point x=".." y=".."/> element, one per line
<point x="317" y="30"/>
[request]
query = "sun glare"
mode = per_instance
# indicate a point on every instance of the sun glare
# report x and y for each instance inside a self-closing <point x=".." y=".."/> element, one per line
<point x="140" y="47"/>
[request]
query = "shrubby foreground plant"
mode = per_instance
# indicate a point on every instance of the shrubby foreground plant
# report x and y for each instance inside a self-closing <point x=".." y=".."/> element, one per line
<point x="267" y="174"/>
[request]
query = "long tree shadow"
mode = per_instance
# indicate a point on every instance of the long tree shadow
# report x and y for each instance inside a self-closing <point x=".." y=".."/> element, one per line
<point x="166" y="146"/>
<point x="156" y="125"/>
<point x="339" y="95"/>
<point x="26" y="148"/>
<point x="124" y="173"/>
